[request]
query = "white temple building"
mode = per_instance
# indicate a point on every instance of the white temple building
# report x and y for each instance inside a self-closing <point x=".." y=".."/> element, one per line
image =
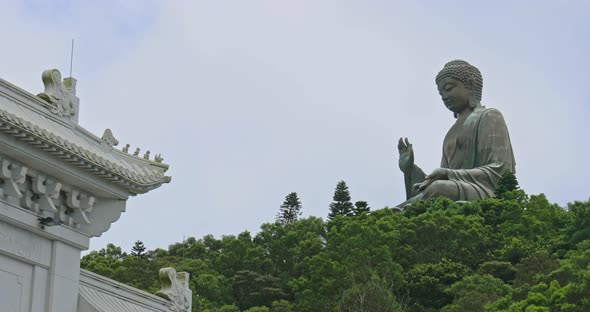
<point x="61" y="185"/>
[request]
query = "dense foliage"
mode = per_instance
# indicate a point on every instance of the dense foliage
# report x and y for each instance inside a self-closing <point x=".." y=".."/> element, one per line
<point x="341" y="205"/>
<point x="512" y="253"/>
<point x="290" y="209"/>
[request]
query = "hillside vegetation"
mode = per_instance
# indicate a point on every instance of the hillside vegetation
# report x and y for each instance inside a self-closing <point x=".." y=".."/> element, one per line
<point x="512" y="253"/>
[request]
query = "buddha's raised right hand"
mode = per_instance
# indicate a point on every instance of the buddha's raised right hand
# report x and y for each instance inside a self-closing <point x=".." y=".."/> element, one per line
<point x="406" y="155"/>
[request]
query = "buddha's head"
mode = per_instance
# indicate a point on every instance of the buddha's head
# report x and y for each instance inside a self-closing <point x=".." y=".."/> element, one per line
<point x="460" y="85"/>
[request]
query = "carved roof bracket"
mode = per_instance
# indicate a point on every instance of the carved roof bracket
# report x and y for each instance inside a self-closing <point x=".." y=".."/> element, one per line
<point x="54" y="202"/>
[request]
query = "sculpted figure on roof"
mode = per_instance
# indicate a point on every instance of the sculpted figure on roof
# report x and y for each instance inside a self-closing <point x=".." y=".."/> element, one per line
<point x="61" y="94"/>
<point x="476" y="150"/>
<point x="109" y="139"/>
<point x="175" y="288"/>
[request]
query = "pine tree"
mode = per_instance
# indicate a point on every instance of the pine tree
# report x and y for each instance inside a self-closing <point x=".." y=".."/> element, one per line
<point x="508" y="188"/>
<point x="506" y="183"/>
<point x="341" y="205"/>
<point x="138" y="249"/>
<point x="290" y="209"/>
<point x="360" y="207"/>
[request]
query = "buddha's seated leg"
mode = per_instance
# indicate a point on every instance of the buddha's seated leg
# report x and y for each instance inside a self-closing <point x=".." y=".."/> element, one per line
<point x="446" y="188"/>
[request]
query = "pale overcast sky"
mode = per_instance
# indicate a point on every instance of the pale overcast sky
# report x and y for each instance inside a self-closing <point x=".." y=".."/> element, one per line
<point x="249" y="100"/>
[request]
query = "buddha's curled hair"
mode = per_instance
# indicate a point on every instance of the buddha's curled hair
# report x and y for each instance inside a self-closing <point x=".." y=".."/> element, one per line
<point x="468" y="74"/>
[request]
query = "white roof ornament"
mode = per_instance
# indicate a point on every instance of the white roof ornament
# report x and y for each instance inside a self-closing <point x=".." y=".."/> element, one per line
<point x="108" y="138"/>
<point x="175" y="287"/>
<point x="61" y="94"/>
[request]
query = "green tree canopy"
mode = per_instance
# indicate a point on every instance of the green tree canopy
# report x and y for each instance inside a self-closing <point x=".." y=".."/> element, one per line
<point x="138" y="249"/>
<point x="506" y="254"/>
<point x="341" y="205"/>
<point x="360" y="207"/>
<point x="290" y="209"/>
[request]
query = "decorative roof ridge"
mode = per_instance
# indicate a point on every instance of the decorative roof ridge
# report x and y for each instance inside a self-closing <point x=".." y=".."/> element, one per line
<point x="87" y="133"/>
<point x="141" y="159"/>
<point x="40" y="106"/>
<point x="119" y="153"/>
<point x="79" y="156"/>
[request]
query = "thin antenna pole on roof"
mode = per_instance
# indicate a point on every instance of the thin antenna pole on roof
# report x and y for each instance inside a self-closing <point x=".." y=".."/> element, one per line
<point x="72" y="57"/>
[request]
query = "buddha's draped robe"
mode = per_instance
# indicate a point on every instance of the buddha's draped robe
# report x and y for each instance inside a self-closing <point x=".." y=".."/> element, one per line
<point x="477" y="151"/>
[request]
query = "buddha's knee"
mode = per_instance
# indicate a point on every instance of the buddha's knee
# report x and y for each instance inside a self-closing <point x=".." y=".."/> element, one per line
<point x="442" y="188"/>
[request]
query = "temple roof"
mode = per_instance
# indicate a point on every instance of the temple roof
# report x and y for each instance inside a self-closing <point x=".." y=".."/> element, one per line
<point x="40" y="122"/>
<point x="100" y="294"/>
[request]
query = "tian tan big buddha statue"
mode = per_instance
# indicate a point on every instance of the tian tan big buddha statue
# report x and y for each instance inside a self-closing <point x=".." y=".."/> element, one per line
<point x="476" y="150"/>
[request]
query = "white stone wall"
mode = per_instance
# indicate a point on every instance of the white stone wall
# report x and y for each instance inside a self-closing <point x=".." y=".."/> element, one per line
<point x="39" y="268"/>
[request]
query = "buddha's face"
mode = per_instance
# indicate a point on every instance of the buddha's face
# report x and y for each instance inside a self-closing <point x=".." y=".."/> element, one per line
<point x="454" y="94"/>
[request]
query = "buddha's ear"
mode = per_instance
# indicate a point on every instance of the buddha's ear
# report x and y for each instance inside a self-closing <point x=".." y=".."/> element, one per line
<point x="471" y="86"/>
